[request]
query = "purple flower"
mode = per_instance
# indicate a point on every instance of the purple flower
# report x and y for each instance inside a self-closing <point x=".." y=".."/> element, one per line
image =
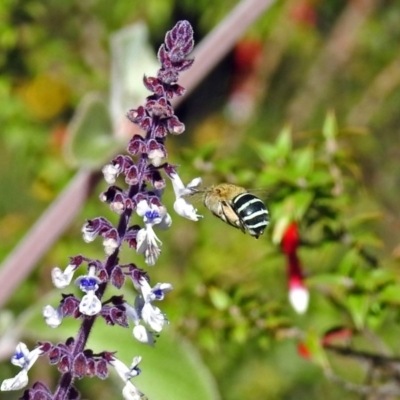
<point x="143" y="171"/>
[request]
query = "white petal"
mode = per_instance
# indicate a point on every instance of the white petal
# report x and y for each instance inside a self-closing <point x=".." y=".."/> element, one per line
<point x="132" y="313"/>
<point x="123" y="371"/>
<point x="151" y="255"/>
<point x="145" y="287"/>
<point x="141" y="242"/>
<point x="90" y="304"/>
<point x="177" y="184"/>
<point x="33" y="356"/>
<point x="131" y="392"/>
<point x="183" y="208"/>
<point x="53" y="317"/>
<point x="88" y="234"/>
<point x="153" y="317"/>
<point x="135" y="362"/>
<point x="143" y="335"/>
<point x="180" y="189"/>
<point x="16" y="383"/>
<point x="110" y="173"/>
<point x="147" y="244"/>
<point x="61" y="279"/>
<point x="142" y="207"/>
<point x="165" y="287"/>
<point x="156" y="157"/>
<point x="166" y="222"/>
<point x="110" y="245"/>
<point x="194" y="183"/>
<point x="299" y="298"/>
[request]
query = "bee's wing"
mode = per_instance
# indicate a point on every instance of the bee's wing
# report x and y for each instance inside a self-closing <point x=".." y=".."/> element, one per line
<point x="262" y="193"/>
<point x="197" y="196"/>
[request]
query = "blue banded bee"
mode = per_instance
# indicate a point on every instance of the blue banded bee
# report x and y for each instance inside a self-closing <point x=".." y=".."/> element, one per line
<point x="237" y="207"/>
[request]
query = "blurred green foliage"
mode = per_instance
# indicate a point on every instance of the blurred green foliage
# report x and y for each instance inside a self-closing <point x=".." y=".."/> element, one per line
<point x="340" y="185"/>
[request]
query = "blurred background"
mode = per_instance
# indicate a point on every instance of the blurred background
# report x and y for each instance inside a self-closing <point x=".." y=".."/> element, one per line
<point x="305" y="106"/>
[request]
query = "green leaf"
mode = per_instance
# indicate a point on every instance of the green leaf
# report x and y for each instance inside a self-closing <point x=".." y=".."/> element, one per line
<point x="349" y="262"/>
<point x="390" y="294"/>
<point x="132" y="57"/>
<point x="330" y="129"/>
<point x="240" y="332"/>
<point x="265" y="151"/>
<point x="329" y="280"/>
<point x="219" y="298"/>
<point x="283" y="143"/>
<point x="367" y="239"/>
<point x="358" y="305"/>
<point x="303" y="162"/>
<point x="90" y="141"/>
<point x="301" y="203"/>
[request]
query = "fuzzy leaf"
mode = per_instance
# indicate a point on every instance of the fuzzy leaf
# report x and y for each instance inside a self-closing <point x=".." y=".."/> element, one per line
<point x="90" y="141"/>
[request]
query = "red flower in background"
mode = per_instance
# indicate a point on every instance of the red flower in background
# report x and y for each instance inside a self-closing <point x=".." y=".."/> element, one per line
<point x="298" y="292"/>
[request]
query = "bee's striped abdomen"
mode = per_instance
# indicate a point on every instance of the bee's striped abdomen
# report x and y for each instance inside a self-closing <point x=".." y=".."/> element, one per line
<point x="252" y="213"/>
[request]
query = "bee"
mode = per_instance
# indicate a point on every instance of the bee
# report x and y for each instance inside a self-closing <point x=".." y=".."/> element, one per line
<point x="237" y="207"/>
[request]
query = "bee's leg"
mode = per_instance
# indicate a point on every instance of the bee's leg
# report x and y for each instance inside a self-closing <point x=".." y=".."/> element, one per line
<point x="231" y="217"/>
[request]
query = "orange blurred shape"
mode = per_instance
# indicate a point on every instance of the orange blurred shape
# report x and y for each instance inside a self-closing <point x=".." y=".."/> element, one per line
<point x="304" y="13"/>
<point x="45" y="96"/>
<point x="247" y="55"/>
<point x="303" y="351"/>
<point x="58" y="136"/>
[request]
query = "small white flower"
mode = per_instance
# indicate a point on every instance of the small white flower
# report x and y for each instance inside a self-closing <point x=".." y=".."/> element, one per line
<point x="139" y="331"/>
<point x="53" y="316"/>
<point x="151" y="213"/>
<point x="110" y="172"/>
<point x="110" y="245"/>
<point x="299" y="298"/>
<point x="117" y="206"/>
<point x="159" y="290"/>
<point x="150" y="314"/>
<point x="130" y="391"/>
<point x="89" y="234"/>
<point x="143" y="335"/>
<point x="62" y="279"/>
<point x="125" y="372"/>
<point x="90" y="304"/>
<point x="18" y="382"/>
<point x="180" y="189"/>
<point x="186" y="210"/>
<point x="147" y="241"/>
<point x="150" y="294"/>
<point x="156" y="157"/>
<point x="181" y="206"/>
<point x="24" y="359"/>
<point x="153" y="317"/>
<point x="148" y="244"/>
